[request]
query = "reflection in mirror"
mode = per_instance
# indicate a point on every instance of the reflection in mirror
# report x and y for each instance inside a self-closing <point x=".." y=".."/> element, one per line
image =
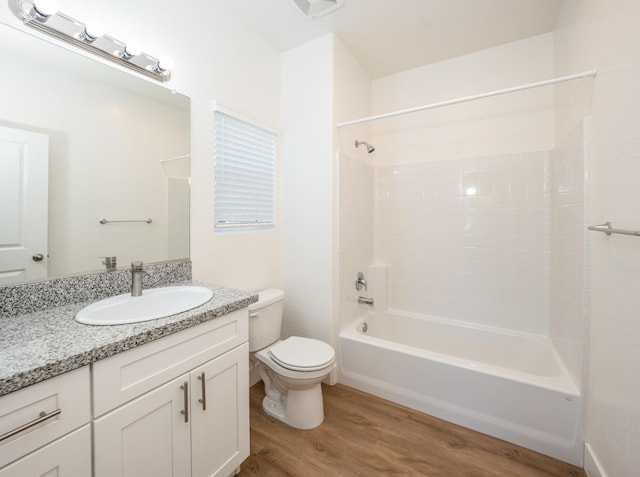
<point x="81" y="141"/>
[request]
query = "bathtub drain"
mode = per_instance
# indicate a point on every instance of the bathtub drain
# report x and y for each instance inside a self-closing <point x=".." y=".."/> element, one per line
<point x="364" y="327"/>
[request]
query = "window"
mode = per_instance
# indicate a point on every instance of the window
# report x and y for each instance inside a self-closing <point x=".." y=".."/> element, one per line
<point x="245" y="177"/>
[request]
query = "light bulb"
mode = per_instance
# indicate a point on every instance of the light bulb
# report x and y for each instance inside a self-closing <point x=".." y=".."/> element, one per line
<point x="92" y="31"/>
<point x="131" y="49"/>
<point x="43" y="9"/>
<point x="164" y="64"/>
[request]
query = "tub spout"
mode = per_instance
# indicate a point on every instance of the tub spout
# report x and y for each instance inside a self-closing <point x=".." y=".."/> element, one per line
<point x="365" y="301"/>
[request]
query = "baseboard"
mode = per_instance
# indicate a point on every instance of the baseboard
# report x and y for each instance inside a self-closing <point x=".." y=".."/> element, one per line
<point x="592" y="466"/>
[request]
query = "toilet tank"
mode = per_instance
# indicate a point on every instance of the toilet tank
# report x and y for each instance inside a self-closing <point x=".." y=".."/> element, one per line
<point x="265" y="319"/>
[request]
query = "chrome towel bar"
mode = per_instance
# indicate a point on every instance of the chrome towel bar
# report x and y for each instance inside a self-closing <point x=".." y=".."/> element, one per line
<point x="608" y="229"/>
<point x="105" y="221"/>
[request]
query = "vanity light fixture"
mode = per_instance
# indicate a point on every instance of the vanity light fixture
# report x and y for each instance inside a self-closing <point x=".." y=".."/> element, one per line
<point x="43" y="15"/>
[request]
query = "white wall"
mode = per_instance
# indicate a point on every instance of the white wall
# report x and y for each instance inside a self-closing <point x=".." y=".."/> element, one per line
<point x="307" y="189"/>
<point x="321" y="246"/>
<point x="217" y="58"/>
<point x="606" y="35"/>
<point x="240" y="70"/>
<point x="518" y="122"/>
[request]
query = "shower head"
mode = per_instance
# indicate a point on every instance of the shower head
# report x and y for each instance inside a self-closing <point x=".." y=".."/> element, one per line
<point x="370" y="148"/>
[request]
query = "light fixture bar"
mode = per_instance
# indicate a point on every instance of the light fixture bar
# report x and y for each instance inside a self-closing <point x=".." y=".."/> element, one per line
<point x="74" y="32"/>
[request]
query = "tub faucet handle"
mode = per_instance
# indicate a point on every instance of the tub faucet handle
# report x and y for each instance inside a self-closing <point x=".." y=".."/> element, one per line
<point x="360" y="281"/>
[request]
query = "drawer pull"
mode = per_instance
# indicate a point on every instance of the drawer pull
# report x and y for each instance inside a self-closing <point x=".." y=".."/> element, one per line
<point x="43" y="417"/>
<point x="185" y="388"/>
<point x="204" y="391"/>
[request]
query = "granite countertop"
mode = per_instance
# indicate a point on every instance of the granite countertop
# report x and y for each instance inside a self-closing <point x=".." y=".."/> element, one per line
<point x="43" y="344"/>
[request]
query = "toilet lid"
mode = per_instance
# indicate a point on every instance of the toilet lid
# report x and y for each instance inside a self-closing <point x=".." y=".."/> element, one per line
<point x="302" y="354"/>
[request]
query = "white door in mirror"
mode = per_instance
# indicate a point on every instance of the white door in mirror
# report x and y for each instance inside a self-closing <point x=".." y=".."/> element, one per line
<point x="24" y="174"/>
<point x="153" y="304"/>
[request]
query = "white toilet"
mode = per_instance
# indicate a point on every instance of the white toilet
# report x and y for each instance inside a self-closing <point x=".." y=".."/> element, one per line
<point x="291" y="369"/>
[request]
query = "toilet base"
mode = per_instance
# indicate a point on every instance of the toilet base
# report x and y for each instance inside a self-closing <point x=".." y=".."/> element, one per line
<point x="299" y="408"/>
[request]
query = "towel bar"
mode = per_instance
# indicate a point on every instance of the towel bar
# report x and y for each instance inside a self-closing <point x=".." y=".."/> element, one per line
<point x="608" y="229"/>
<point x="105" y="221"/>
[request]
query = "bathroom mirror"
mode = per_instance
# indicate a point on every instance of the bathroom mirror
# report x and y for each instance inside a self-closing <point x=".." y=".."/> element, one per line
<point x="82" y="142"/>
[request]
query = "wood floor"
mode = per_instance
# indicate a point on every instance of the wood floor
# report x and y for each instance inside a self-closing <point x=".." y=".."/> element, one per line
<point x="366" y="436"/>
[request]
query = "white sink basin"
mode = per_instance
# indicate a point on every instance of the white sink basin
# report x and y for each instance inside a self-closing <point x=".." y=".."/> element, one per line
<point x="153" y="304"/>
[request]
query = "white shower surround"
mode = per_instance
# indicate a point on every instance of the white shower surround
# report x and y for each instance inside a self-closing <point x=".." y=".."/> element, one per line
<point x="518" y="238"/>
<point x="467" y="239"/>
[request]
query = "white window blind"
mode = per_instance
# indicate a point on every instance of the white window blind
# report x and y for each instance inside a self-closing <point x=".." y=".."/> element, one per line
<point x="245" y="177"/>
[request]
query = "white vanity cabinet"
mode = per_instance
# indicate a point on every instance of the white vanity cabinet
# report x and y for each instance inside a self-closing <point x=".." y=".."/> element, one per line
<point x="177" y="406"/>
<point x="45" y="430"/>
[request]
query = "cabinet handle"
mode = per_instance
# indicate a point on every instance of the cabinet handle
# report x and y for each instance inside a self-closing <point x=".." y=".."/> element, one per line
<point x="185" y="388"/>
<point x="43" y="417"/>
<point x="203" y="378"/>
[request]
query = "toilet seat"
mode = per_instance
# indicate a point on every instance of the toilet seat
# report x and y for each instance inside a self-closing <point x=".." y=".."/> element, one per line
<point x="302" y="354"/>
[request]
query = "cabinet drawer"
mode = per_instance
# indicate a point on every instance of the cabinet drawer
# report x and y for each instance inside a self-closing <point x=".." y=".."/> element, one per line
<point x="125" y="376"/>
<point x="67" y="393"/>
<point x="69" y="456"/>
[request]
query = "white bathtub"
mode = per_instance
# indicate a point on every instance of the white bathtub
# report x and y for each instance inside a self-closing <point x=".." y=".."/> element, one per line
<point x="509" y="385"/>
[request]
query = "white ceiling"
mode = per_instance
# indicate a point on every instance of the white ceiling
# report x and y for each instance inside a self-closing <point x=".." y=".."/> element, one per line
<point x="389" y="36"/>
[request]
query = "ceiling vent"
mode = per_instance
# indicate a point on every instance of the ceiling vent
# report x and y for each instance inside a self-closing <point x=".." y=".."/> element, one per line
<point x="318" y="8"/>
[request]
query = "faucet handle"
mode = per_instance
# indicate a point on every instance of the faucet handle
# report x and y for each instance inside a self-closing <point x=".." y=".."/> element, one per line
<point x="360" y="281"/>
<point x="137" y="265"/>
<point x="110" y="262"/>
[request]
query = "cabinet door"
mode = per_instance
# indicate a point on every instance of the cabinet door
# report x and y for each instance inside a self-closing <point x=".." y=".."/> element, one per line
<point x="220" y="409"/>
<point x="147" y="437"/>
<point x="69" y="456"/>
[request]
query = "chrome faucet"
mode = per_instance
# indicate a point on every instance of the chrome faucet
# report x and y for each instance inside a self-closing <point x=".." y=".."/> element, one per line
<point x="136" y="278"/>
<point x="360" y="281"/>
<point x="365" y="301"/>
